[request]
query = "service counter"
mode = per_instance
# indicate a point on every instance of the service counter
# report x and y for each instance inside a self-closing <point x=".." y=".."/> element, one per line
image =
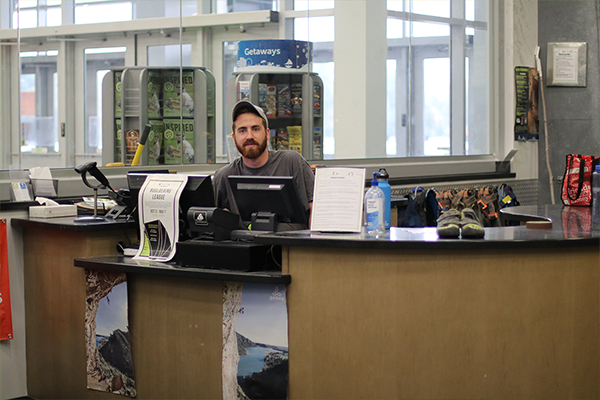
<point x="175" y="313"/>
<point x="410" y="316"/>
<point x="404" y="316"/>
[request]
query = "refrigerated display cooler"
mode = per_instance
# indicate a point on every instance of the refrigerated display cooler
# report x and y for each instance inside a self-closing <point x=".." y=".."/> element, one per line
<point x="273" y="74"/>
<point x="180" y="108"/>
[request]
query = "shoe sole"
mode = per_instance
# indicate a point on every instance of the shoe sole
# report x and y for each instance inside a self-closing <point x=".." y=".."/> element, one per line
<point x="450" y="231"/>
<point x="473" y="231"/>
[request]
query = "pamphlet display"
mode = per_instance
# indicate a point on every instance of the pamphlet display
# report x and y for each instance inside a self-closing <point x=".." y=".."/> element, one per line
<point x="159" y="216"/>
<point x="21" y="191"/>
<point x="338" y="199"/>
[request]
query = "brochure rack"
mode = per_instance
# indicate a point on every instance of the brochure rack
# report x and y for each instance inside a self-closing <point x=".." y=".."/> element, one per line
<point x="179" y="107"/>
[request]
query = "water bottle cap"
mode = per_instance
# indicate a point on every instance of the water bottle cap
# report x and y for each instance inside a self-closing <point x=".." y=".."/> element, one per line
<point x="383" y="175"/>
<point x="374" y="181"/>
<point x="597" y="168"/>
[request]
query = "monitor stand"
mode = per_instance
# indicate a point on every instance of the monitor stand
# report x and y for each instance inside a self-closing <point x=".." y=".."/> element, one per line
<point x="264" y="221"/>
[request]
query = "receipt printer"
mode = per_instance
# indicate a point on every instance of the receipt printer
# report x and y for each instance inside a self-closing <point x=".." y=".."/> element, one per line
<point x="211" y="223"/>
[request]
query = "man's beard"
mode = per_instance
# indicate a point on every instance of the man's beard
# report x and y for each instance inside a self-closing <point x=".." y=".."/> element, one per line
<point x="251" y="153"/>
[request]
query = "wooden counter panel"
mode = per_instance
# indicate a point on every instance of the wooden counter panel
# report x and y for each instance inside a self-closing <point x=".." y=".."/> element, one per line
<point x="444" y="324"/>
<point x="55" y="310"/>
<point x="175" y="327"/>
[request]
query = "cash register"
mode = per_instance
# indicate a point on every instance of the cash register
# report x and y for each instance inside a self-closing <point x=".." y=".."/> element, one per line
<point x="266" y="204"/>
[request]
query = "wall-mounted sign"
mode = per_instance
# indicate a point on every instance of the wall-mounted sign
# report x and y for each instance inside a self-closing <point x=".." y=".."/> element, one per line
<point x="567" y="64"/>
<point x="274" y="55"/>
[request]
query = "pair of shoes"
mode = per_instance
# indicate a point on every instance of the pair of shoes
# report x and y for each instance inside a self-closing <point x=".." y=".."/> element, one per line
<point x="453" y="223"/>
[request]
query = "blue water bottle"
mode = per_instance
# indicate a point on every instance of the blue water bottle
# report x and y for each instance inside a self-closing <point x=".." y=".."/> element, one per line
<point x="384" y="185"/>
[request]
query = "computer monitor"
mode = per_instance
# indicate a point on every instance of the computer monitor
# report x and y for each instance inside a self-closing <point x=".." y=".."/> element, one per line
<point x="268" y="201"/>
<point x="198" y="192"/>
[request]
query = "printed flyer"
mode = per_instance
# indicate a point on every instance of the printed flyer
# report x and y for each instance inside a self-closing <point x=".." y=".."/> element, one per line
<point x="158" y="212"/>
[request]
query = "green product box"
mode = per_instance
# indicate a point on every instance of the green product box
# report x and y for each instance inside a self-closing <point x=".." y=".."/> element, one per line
<point x="118" y="93"/>
<point x="155" y="141"/>
<point x="175" y="100"/>
<point x="154" y="88"/>
<point x="178" y="148"/>
<point x="118" y="140"/>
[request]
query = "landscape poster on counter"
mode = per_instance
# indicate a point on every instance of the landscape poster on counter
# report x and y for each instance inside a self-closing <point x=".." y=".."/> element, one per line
<point x="158" y="212"/>
<point x="109" y="362"/>
<point x="255" y="342"/>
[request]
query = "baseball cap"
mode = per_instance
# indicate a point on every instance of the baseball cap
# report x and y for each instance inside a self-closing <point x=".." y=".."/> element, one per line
<point x="246" y="104"/>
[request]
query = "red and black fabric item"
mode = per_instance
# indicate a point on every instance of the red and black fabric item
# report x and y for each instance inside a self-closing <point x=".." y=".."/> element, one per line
<point x="6" y="328"/>
<point x="577" y="181"/>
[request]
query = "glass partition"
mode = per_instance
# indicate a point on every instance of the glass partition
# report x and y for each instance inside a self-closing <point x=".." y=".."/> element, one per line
<point x="436" y="69"/>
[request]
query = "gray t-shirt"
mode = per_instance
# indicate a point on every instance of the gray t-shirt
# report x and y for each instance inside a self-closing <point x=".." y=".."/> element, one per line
<point x="280" y="163"/>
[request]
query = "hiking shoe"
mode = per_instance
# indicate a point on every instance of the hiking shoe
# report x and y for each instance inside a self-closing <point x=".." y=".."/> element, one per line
<point x="470" y="227"/>
<point x="448" y="224"/>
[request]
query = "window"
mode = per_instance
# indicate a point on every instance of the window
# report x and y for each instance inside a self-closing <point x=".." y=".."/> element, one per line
<point x="97" y="63"/>
<point x="34" y="13"/>
<point x="39" y="103"/>
<point x="229" y="6"/>
<point x="435" y="68"/>
<point x="96" y="11"/>
<point x="321" y="32"/>
<point x="434" y="46"/>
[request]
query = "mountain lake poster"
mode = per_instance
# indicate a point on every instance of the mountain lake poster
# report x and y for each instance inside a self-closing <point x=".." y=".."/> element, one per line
<point x="108" y="347"/>
<point x="255" y="352"/>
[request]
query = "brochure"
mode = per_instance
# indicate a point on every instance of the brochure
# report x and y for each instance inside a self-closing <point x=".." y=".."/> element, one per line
<point x="159" y="216"/>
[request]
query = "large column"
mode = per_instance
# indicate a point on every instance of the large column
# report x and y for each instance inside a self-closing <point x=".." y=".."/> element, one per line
<point x="360" y="53"/>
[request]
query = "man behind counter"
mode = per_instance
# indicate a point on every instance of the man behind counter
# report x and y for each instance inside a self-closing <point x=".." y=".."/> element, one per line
<point x="251" y="135"/>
